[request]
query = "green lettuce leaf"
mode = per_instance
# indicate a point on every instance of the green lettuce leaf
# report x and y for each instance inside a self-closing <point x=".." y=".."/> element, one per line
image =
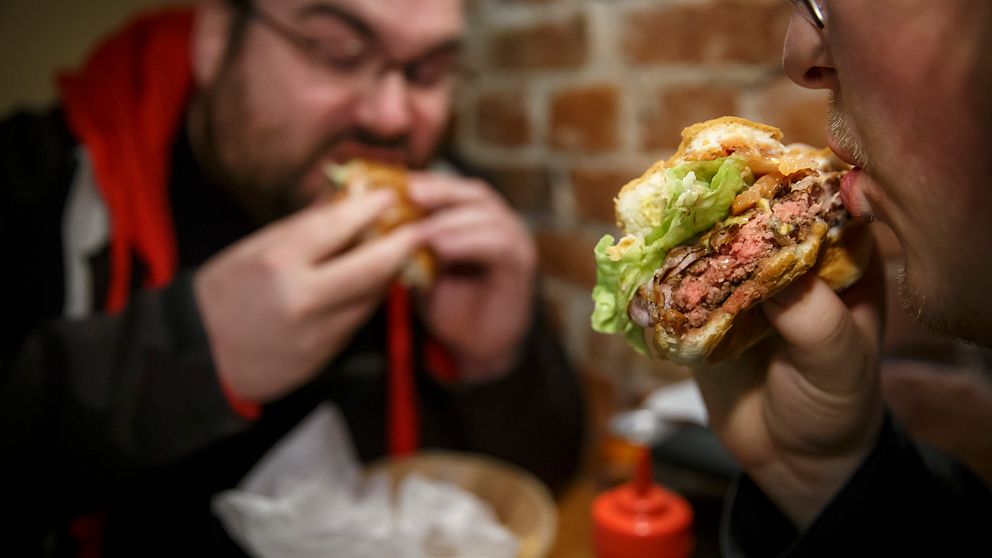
<point x="695" y="196"/>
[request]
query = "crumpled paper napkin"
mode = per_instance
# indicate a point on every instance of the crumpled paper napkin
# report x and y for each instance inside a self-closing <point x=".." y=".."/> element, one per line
<point x="307" y="498"/>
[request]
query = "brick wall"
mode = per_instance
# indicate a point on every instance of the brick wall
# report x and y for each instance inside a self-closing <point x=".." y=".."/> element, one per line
<point x="569" y="99"/>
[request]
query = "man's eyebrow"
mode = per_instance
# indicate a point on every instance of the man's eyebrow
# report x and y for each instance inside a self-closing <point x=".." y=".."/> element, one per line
<point x="331" y="10"/>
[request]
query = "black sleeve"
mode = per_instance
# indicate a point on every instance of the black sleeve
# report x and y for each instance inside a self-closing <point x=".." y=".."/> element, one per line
<point x="85" y="404"/>
<point x="90" y="403"/>
<point x="534" y="416"/>
<point x="896" y="504"/>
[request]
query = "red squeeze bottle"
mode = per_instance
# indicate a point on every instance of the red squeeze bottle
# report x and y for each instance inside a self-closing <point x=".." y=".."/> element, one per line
<point x="641" y="518"/>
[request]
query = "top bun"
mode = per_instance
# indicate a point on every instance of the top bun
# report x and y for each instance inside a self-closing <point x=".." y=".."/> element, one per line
<point x="728" y="134"/>
<point x="759" y="144"/>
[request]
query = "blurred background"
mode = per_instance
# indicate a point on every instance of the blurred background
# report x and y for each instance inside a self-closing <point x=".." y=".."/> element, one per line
<point x="565" y="101"/>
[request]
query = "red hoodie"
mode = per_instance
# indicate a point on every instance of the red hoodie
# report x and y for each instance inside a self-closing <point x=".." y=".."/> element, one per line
<point x="126" y="106"/>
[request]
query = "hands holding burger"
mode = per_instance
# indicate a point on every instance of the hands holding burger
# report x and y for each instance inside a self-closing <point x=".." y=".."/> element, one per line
<point x="735" y="237"/>
<point x="282" y="302"/>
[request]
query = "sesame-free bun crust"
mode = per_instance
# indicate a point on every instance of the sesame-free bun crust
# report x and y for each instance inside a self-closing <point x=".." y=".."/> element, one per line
<point x="704" y="141"/>
<point x="712" y="139"/>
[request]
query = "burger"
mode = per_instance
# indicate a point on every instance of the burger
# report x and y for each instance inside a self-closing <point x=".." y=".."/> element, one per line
<point x="359" y="176"/>
<point x="733" y="217"/>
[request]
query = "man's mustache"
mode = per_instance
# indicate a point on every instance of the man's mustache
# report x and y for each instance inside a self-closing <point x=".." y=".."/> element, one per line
<point x="842" y="134"/>
<point x="361" y="136"/>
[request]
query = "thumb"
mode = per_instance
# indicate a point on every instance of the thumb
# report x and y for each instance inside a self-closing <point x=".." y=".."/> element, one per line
<point x="828" y="337"/>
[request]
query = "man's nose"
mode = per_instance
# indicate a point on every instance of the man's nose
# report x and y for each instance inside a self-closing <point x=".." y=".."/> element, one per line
<point x="385" y="107"/>
<point x="806" y="56"/>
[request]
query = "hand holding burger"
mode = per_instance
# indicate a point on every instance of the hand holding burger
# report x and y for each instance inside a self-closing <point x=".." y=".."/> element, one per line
<point x="720" y="242"/>
<point x="475" y="271"/>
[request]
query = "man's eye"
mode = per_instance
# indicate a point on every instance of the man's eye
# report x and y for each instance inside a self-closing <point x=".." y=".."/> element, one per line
<point x="432" y="70"/>
<point x="346" y="53"/>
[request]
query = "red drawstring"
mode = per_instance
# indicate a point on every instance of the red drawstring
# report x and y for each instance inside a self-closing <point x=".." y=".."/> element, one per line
<point x="439" y="362"/>
<point x="125" y="107"/>
<point x="403" y="422"/>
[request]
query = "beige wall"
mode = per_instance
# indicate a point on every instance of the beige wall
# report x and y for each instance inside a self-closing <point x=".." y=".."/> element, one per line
<point x="38" y="37"/>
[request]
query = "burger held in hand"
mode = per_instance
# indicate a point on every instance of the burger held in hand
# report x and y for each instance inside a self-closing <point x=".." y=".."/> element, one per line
<point x="361" y="175"/>
<point x="733" y="217"/>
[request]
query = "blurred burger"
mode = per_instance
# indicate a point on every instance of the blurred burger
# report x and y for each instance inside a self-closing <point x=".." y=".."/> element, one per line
<point x="359" y="176"/>
<point x="730" y="219"/>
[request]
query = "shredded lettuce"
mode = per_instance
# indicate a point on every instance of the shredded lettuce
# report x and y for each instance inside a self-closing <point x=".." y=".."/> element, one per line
<point x="695" y="196"/>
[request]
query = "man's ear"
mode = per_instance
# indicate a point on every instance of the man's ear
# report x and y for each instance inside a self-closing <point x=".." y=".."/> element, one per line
<point x="211" y="34"/>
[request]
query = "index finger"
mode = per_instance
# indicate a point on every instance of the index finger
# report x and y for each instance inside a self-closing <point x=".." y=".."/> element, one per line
<point x="367" y="268"/>
<point x="436" y="190"/>
<point x="327" y="227"/>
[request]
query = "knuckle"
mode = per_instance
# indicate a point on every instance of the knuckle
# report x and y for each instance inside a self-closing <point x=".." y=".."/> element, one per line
<point x="296" y="303"/>
<point x="273" y="260"/>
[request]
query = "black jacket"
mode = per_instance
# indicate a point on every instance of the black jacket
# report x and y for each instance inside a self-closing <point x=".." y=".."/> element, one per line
<point x="900" y="502"/>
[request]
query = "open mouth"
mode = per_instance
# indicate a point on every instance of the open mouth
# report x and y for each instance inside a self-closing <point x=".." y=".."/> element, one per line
<point x="345" y="152"/>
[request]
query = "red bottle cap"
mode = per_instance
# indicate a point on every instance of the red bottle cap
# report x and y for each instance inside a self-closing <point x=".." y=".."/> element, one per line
<point x="641" y="518"/>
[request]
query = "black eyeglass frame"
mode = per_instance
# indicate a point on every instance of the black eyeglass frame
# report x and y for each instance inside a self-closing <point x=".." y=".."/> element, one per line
<point x="307" y="45"/>
<point x="310" y="46"/>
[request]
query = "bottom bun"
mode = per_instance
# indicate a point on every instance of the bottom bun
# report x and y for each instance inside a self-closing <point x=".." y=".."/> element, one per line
<point x="839" y="256"/>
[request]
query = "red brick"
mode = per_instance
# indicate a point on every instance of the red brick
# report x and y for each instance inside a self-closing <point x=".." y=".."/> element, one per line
<point x="526" y="188"/>
<point x="594" y="190"/>
<point x="800" y="113"/>
<point x="568" y="256"/>
<point x="502" y="119"/>
<point x="560" y="44"/>
<point x="714" y="32"/>
<point x="678" y="107"/>
<point x="585" y="120"/>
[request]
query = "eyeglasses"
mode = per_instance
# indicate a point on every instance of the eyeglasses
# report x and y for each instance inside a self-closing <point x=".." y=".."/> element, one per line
<point x="355" y="58"/>
<point x="813" y="11"/>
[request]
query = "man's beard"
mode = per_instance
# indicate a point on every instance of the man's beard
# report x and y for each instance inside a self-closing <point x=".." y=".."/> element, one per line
<point x="235" y="155"/>
<point x="918" y="305"/>
<point x="250" y="161"/>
